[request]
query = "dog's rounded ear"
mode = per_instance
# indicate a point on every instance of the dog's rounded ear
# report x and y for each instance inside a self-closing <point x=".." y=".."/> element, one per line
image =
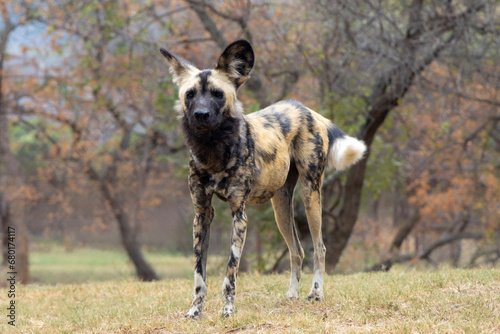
<point x="179" y="67"/>
<point x="237" y="62"/>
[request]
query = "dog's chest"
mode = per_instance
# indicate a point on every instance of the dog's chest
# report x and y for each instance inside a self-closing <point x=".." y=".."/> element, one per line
<point x="237" y="187"/>
<point x="231" y="186"/>
<point x="220" y="185"/>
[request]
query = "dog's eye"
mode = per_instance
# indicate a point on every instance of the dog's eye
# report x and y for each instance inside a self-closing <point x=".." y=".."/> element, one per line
<point x="218" y="94"/>
<point x="190" y="94"/>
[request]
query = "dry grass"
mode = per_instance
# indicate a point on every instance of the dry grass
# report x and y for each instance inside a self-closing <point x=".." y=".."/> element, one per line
<point x="444" y="301"/>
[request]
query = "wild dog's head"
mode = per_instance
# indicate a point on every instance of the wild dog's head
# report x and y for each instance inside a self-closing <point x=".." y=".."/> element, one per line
<point x="208" y="97"/>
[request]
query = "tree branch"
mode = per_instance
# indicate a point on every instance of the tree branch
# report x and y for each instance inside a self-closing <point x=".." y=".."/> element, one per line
<point x="493" y="119"/>
<point x="386" y="264"/>
<point x="209" y="24"/>
<point x="446" y="240"/>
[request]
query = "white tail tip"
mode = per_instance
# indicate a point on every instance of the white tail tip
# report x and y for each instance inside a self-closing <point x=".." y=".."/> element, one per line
<point x="345" y="152"/>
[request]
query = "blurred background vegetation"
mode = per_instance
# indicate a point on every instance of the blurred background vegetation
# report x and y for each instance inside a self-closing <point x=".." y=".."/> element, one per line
<point x="93" y="165"/>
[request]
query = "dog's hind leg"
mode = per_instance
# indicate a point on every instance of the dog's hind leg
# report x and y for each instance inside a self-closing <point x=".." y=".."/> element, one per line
<point x="283" y="212"/>
<point x="238" y="236"/>
<point x="201" y="237"/>
<point x="311" y="195"/>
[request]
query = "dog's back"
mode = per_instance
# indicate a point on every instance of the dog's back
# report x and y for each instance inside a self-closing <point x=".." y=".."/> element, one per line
<point x="288" y="135"/>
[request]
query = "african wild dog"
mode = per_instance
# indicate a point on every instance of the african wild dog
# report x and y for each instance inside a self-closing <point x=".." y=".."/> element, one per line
<point x="252" y="158"/>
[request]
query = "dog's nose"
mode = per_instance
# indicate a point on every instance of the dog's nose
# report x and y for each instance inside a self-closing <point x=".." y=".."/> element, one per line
<point x="201" y="115"/>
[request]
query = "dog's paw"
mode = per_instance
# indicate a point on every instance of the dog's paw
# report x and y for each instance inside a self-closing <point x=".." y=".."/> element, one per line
<point x="314" y="298"/>
<point x="292" y="294"/>
<point x="315" y="295"/>
<point x="194" y="313"/>
<point x="228" y="311"/>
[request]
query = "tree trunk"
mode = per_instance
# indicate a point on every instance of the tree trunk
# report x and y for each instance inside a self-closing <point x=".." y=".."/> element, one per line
<point x="132" y="246"/>
<point x="339" y="236"/>
<point x="403" y="231"/>
<point x="337" y="239"/>
<point x="16" y="217"/>
<point x="12" y="183"/>
<point x="129" y="238"/>
<point x="4" y="217"/>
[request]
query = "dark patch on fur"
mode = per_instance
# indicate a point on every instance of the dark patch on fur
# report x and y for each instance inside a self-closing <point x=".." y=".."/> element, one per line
<point x="190" y="102"/>
<point x="222" y="198"/>
<point x="222" y="184"/>
<point x="228" y="288"/>
<point x="316" y="163"/>
<point x="232" y="260"/>
<point x="312" y="169"/>
<point x="310" y="121"/>
<point x="204" y="79"/>
<point x="263" y="197"/>
<point x="284" y="122"/>
<point x="242" y="53"/>
<point x="297" y="105"/>
<point x="198" y="235"/>
<point x="306" y="114"/>
<point x="333" y="134"/>
<point x="206" y="179"/>
<point x="250" y="145"/>
<point x="199" y="266"/>
<point x="217" y="105"/>
<point x="267" y="157"/>
<point x="240" y="231"/>
<point x="238" y="212"/>
<point x="269" y="125"/>
<point x="213" y="148"/>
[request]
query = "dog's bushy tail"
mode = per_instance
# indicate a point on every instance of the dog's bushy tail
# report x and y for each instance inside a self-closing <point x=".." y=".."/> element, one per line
<point x="344" y="150"/>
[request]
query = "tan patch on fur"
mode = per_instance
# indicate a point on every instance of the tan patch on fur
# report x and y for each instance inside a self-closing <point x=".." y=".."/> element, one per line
<point x="185" y="75"/>
<point x="270" y="142"/>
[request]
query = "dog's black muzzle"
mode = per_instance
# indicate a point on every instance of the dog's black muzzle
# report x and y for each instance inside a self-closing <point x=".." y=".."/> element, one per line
<point x="201" y="115"/>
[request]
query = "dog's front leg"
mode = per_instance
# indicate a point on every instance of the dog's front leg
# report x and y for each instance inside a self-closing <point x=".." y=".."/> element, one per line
<point x="238" y="235"/>
<point x="201" y="237"/>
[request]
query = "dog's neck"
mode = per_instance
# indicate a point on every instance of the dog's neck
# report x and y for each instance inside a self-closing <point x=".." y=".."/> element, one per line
<point x="212" y="150"/>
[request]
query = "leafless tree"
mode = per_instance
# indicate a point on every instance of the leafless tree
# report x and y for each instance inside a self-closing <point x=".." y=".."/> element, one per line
<point x="12" y="181"/>
<point x="387" y="47"/>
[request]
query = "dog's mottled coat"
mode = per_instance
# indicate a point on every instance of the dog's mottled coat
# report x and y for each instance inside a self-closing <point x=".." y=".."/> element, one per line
<point x="246" y="159"/>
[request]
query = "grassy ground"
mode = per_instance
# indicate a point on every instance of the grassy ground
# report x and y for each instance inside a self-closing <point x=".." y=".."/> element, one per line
<point x="87" y="264"/>
<point x="444" y="301"/>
